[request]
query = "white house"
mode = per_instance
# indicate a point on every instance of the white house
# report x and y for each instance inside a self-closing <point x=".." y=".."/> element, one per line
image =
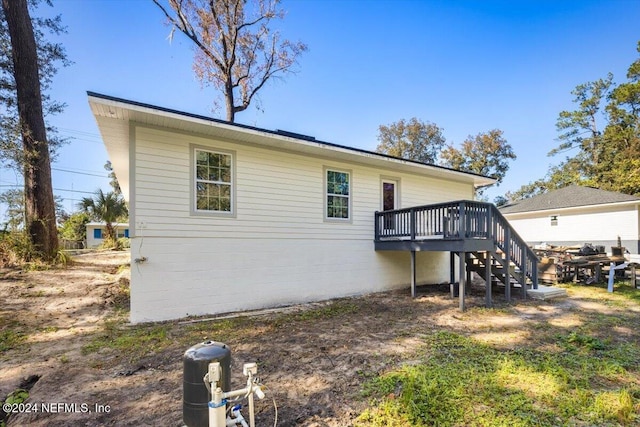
<point x="96" y="232"/>
<point x="576" y="215"/>
<point x="228" y="217"/>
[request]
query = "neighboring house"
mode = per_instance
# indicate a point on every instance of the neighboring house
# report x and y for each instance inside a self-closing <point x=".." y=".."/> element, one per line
<point x="97" y="230"/>
<point x="576" y="215"/>
<point x="228" y="217"/>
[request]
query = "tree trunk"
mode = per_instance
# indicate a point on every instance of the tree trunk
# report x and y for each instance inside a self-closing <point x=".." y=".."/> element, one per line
<point x="228" y="97"/>
<point x="39" y="203"/>
<point x="111" y="232"/>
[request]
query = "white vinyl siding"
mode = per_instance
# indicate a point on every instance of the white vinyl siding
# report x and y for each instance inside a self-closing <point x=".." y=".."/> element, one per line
<point x="278" y="248"/>
<point x="584" y="225"/>
<point x="189" y="277"/>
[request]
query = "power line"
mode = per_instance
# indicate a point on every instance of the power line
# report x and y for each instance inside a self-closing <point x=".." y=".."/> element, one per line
<point x="79" y="173"/>
<point x="55" y="189"/>
<point x="74" y="191"/>
<point x="81" y="132"/>
<point x="76" y="169"/>
<point x="83" y="136"/>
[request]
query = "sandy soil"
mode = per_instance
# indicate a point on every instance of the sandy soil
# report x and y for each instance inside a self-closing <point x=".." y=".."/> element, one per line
<point x="314" y="366"/>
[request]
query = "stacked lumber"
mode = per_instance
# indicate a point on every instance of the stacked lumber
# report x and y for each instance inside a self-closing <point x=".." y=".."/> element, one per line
<point x="574" y="263"/>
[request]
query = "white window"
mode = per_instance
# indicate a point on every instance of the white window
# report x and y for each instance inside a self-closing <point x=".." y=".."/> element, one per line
<point x="213" y="181"/>
<point x="337" y="195"/>
<point x="554" y="220"/>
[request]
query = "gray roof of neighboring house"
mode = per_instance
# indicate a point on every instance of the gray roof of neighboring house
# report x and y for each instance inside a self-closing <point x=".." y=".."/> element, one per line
<point x="567" y="197"/>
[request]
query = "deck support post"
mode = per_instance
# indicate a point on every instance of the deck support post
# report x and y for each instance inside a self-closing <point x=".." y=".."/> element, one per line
<point x="524" y="273"/>
<point x="487" y="279"/>
<point x="507" y="264"/>
<point x="468" y="282"/>
<point x="462" y="273"/>
<point x="413" y="274"/>
<point x="452" y="273"/>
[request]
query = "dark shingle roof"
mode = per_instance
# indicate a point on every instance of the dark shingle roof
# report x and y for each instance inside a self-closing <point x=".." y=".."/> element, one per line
<point x="567" y="197"/>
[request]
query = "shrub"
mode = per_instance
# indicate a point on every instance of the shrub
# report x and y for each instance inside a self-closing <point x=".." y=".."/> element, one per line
<point x="16" y="249"/>
<point x="117" y="244"/>
<point x="124" y="243"/>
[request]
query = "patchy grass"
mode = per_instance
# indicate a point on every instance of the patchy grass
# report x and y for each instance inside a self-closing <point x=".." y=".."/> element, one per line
<point x="16" y="397"/>
<point x="134" y="342"/>
<point x="137" y="341"/>
<point x="215" y="330"/>
<point x="463" y="382"/>
<point x="380" y="360"/>
<point x="627" y="290"/>
<point x="10" y="339"/>
<point x="591" y="378"/>
<point x="332" y="309"/>
<point x="12" y="334"/>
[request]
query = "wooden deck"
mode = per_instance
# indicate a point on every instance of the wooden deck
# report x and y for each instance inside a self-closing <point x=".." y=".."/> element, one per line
<point x="474" y="231"/>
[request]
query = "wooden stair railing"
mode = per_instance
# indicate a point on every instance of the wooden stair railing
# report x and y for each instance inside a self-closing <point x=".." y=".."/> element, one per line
<point x="462" y="219"/>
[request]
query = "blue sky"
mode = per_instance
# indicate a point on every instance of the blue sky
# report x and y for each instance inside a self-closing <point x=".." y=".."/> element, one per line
<point x="468" y="66"/>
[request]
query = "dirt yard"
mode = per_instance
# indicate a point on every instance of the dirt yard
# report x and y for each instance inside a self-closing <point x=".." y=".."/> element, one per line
<point x="65" y="337"/>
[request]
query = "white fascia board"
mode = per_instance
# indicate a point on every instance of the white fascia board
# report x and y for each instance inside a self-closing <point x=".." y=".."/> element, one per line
<point x="143" y="114"/>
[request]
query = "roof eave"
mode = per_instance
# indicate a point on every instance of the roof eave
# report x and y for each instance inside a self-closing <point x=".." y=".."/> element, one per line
<point x="570" y="208"/>
<point x="107" y="108"/>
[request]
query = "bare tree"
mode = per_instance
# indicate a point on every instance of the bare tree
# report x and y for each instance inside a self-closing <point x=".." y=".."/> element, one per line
<point x="236" y="50"/>
<point x="39" y="203"/>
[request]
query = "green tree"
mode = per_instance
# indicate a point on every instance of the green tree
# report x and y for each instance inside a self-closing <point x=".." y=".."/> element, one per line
<point x="14" y="215"/>
<point x="567" y="173"/>
<point x="500" y="201"/>
<point x="604" y="134"/>
<point x="24" y="57"/>
<point x="74" y="228"/>
<point x="50" y="55"/>
<point x="413" y="139"/>
<point x="620" y="165"/>
<point x="237" y="51"/>
<point x="106" y="207"/>
<point x="580" y="129"/>
<point x="13" y="200"/>
<point x="487" y="153"/>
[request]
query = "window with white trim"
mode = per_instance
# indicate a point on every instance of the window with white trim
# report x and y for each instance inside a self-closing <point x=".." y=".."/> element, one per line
<point x="338" y="193"/>
<point x="213" y="181"/>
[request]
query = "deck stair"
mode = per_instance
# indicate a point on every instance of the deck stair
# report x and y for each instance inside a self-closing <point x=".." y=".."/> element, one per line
<point x="477" y="264"/>
<point x="475" y="232"/>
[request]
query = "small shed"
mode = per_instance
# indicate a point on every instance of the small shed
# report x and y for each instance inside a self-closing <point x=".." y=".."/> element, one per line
<point x="575" y="215"/>
<point x="97" y="230"/>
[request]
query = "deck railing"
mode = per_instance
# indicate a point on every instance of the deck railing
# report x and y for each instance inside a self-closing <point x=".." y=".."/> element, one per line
<point x="458" y="220"/>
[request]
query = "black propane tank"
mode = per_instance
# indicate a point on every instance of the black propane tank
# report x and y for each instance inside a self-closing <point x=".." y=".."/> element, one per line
<point x="195" y="409"/>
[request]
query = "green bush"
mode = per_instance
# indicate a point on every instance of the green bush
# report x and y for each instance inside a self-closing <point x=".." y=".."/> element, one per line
<point x="117" y="244"/>
<point x="123" y="243"/>
<point x="16" y="249"/>
<point x="75" y="228"/>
